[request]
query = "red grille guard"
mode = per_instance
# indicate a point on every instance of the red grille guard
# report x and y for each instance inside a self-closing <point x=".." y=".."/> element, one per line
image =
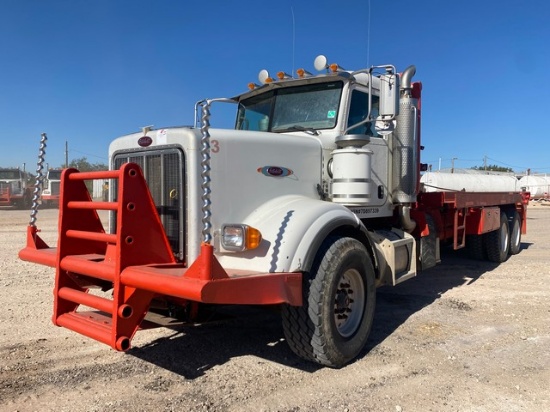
<point x="137" y="262"/>
<point x="5" y="196"/>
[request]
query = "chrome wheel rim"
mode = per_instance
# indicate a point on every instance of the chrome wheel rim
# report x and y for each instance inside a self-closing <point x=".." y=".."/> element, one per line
<point x="349" y="303"/>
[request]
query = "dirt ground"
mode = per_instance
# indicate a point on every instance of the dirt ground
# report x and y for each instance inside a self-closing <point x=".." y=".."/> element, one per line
<point x="464" y="336"/>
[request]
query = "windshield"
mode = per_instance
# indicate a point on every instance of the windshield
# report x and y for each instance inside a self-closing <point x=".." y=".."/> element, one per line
<point x="313" y="106"/>
<point x="54" y="175"/>
<point x="9" y="174"/>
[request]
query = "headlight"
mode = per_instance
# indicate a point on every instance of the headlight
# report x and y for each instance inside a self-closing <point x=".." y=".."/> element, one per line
<point x="239" y="237"/>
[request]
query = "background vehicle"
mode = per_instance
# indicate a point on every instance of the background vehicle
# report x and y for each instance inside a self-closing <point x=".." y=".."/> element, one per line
<point x="310" y="203"/>
<point x="13" y="188"/>
<point x="50" y="191"/>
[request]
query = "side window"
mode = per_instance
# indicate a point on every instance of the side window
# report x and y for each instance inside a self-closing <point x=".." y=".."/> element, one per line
<point x="359" y="108"/>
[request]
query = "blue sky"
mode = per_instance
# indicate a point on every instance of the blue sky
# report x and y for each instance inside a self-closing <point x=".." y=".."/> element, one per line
<point x="88" y="71"/>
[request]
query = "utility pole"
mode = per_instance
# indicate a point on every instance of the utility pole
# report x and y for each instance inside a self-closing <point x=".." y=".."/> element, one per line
<point x="66" y="154"/>
<point x="453" y="164"/>
<point x="484" y="162"/>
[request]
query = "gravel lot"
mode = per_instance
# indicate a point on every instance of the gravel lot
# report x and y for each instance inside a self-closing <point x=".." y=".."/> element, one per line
<point x="464" y="336"/>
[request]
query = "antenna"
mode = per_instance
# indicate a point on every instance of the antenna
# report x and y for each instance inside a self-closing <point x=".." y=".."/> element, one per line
<point x="368" y="38"/>
<point x="293" y="39"/>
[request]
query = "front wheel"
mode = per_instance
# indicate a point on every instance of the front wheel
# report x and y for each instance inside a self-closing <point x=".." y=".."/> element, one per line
<point x="333" y="324"/>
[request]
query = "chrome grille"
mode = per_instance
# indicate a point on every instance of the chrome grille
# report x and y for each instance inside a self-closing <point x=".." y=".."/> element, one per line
<point x="54" y="187"/>
<point x="164" y="171"/>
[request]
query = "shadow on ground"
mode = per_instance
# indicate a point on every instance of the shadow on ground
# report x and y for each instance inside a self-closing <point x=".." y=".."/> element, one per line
<point x="256" y="331"/>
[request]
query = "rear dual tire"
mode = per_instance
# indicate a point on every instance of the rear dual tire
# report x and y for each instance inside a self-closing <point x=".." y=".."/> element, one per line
<point x="497" y="242"/>
<point x="515" y="232"/>
<point x="497" y="245"/>
<point x="476" y="247"/>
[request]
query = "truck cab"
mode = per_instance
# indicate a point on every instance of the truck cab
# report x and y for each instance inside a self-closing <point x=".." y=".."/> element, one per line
<point x="51" y="189"/>
<point x="13" y="188"/>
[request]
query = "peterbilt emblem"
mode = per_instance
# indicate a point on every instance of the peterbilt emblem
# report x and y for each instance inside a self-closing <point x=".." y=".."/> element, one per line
<point x="145" y="141"/>
<point x="275" y="171"/>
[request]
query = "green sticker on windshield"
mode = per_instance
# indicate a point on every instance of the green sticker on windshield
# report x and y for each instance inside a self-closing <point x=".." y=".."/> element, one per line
<point x="331" y="114"/>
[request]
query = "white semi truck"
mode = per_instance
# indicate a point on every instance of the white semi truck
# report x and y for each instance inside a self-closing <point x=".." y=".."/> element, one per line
<point x="310" y="202"/>
<point x="50" y="191"/>
<point x="13" y="188"/>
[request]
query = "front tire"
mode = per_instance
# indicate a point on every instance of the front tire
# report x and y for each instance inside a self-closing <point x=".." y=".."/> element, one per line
<point x="333" y="324"/>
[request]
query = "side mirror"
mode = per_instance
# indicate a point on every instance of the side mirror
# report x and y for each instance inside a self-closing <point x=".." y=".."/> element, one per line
<point x="389" y="96"/>
<point x="389" y="104"/>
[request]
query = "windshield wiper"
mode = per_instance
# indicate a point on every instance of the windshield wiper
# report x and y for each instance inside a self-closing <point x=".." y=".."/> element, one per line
<point x="309" y="130"/>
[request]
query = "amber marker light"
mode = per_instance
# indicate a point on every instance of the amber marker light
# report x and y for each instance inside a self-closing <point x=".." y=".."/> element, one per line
<point x="302" y="73"/>
<point x="283" y="75"/>
<point x="253" y="238"/>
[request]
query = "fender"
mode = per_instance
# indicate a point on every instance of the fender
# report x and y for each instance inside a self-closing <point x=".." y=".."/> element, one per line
<point x="337" y="218"/>
<point x="293" y="228"/>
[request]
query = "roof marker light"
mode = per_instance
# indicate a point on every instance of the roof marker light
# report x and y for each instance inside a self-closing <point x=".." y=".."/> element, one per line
<point x="334" y="67"/>
<point x="303" y="73"/>
<point x="283" y="75"/>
